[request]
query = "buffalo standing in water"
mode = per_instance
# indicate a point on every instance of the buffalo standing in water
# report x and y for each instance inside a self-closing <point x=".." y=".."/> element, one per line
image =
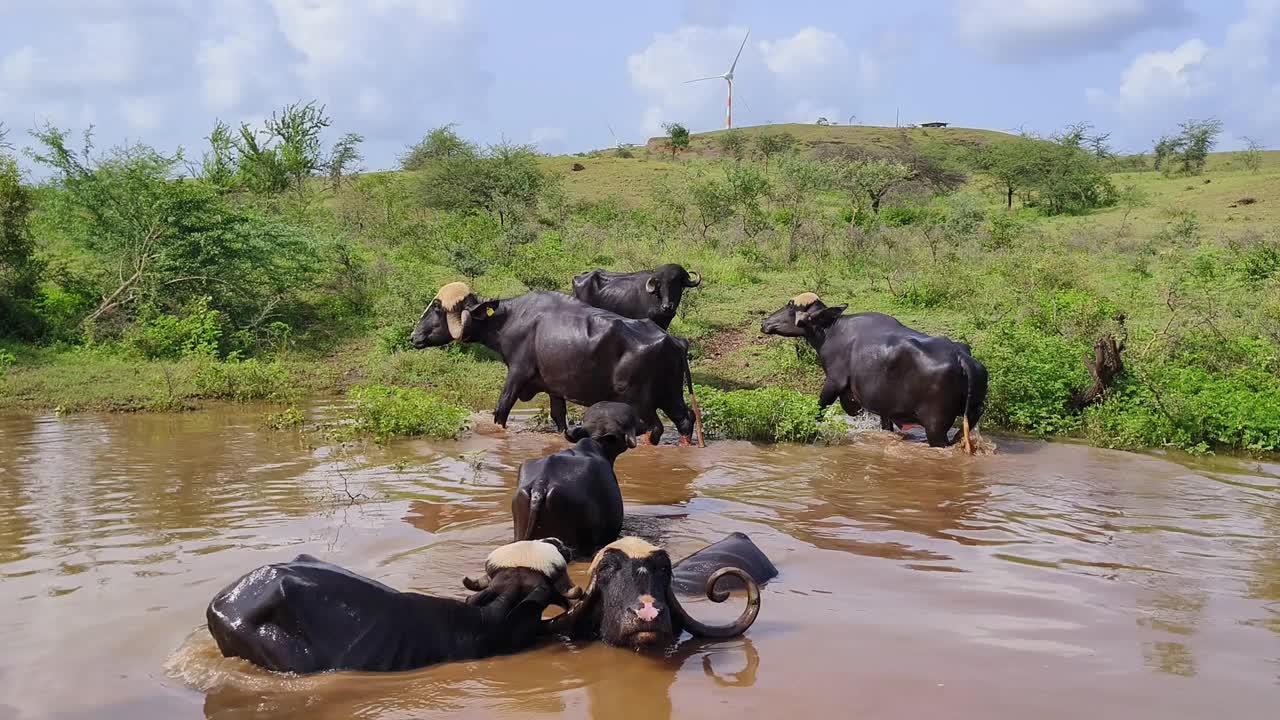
<point x="555" y="344"/>
<point x="310" y="616"/>
<point x="573" y="494"/>
<point x="629" y="601"/>
<point x="648" y="295"/>
<point x="876" y="363"/>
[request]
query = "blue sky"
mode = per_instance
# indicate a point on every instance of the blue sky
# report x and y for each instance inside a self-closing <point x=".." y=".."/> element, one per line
<point x="561" y="74"/>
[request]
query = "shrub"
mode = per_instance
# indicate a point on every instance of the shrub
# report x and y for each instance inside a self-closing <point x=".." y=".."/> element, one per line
<point x="902" y="215"/>
<point x="197" y="331"/>
<point x="286" y="419"/>
<point x="6" y="359"/>
<point x="766" y="415"/>
<point x="1032" y="375"/>
<point x="1004" y="230"/>
<point x="243" y="380"/>
<point x="386" y="412"/>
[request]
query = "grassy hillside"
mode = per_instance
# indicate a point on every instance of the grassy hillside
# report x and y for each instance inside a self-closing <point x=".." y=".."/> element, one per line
<point x="1192" y="264"/>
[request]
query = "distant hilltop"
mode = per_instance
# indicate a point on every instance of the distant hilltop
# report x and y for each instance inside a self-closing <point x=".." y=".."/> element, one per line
<point x="868" y="136"/>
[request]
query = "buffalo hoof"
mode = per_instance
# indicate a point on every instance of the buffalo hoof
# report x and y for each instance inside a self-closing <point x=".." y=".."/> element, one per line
<point x="685" y="441"/>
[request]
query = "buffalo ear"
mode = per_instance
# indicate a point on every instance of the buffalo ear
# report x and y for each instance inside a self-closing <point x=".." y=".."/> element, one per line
<point x="827" y="316"/>
<point x="574" y="434"/>
<point x="482" y="598"/>
<point x="484" y="310"/>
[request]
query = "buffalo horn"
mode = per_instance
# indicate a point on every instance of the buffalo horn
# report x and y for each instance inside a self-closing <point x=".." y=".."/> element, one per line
<point x="692" y="282"/>
<point x="476" y="585"/>
<point x="651" y="285"/>
<point x="733" y="629"/>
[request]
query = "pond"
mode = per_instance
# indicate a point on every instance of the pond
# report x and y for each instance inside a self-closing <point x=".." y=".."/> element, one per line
<point x="1044" y="580"/>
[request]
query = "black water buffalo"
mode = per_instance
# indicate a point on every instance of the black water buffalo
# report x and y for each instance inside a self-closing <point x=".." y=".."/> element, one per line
<point x="647" y="295"/>
<point x="310" y="616"/>
<point x="690" y="575"/>
<point x="555" y="344"/>
<point x="876" y="363"/>
<point x="629" y="601"/>
<point x="573" y="494"/>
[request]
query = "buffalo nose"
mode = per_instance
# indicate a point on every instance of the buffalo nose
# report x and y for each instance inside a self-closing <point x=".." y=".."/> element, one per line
<point x="648" y="611"/>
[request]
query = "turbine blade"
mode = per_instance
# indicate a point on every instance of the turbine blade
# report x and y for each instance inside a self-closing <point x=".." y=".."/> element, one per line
<point x="713" y="77"/>
<point x="735" y="57"/>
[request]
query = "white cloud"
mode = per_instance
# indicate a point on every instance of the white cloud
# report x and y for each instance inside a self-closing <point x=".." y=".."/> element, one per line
<point x="804" y="54"/>
<point x="1027" y="30"/>
<point x="1156" y="78"/>
<point x="237" y="61"/>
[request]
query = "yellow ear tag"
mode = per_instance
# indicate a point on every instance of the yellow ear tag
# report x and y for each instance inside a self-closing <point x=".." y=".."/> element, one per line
<point x="488" y="312"/>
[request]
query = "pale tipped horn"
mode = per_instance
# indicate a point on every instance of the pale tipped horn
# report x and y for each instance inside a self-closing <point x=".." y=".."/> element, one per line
<point x="692" y="282"/>
<point x="651" y="285"/>
<point x="566" y="623"/>
<point x="476" y="585"/>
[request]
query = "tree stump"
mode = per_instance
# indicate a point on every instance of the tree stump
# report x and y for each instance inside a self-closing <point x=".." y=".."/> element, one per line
<point x="1104" y="367"/>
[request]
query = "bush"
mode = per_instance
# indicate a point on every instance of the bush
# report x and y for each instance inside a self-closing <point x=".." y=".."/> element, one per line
<point x="1004" y="230"/>
<point x="197" y="331"/>
<point x="1032" y="376"/>
<point x="287" y="419"/>
<point x="243" y="380"/>
<point x="903" y="215"/>
<point x="386" y="412"/>
<point x="6" y="359"/>
<point x="766" y="415"/>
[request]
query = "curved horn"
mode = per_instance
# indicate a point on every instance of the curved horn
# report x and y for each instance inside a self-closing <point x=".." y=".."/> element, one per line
<point x="691" y="282"/>
<point x="476" y="585"/>
<point x="566" y="622"/>
<point x="733" y="629"/>
<point x="651" y="285"/>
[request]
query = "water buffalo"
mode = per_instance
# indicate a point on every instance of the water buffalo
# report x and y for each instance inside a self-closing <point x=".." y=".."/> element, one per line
<point x="310" y="616"/>
<point x="555" y="344"/>
<point x="573" y="494"/>
<point x="629" y="601"/>
<point x="648" y="295"/>
<point x="690" y="575"/>
<point x="876" y="363"/>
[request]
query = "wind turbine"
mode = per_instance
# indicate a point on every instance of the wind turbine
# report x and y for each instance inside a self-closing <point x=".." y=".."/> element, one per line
<point x="728" y="78"/>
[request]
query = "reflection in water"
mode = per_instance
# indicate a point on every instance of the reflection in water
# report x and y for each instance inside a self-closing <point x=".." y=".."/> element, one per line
<point x="1065" y="568"/>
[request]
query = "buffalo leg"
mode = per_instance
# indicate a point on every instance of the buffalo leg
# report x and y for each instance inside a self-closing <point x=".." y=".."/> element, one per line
<point x="831" y="390"/>
<point x="935" y="430"/>
<point x="507" y="399"/>
<point x="682" y="416"/>
<point x="886" y="423"/>
<point x="559" y="413"/>
<point x="652" y="422"/>
<point x="849" y="405"/>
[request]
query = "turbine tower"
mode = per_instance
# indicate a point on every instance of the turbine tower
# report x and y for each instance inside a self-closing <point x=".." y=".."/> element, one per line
<point x="728" y="78"/>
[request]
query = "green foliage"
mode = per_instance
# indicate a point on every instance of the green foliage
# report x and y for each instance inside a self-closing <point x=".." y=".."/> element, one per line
<point x="765" y="415"/>
<point x="732" y="143"/>
<point x="1013" y="165"/>
<point x="19" y="270"/>
<point x="772" y="144"/>
<point x="439" y="144"/>
<point x="1033" y="374"/>
<point x="868" y="180"/>
<point x="799" y="180"/>
<point x="711" y="198"/>
<point x="505" y="181"/>
<point x="283" y="153"/>
<point x="243" y="380"/>
<point x="290" y="418"/>
<point x="1251" y="156"/>
<point x="388" y="412"/>
<point x="1187" y="151"/>
<point x="903" y="215"/>
<point x="678" y="135"/>
<point x="344" y="157"/>
<point x="1004" y="230"/>
<point x="748" y="186"/>
<point x="7" y="359"/>
<point x="197" y="331"/>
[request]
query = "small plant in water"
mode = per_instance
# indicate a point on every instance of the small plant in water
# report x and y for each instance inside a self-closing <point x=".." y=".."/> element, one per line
<point x="288" y="419"/>
<point x="386" y="412"/>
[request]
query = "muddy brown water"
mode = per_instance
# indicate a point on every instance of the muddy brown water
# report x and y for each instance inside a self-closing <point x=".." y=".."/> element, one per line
<point x="1045" y="580"/>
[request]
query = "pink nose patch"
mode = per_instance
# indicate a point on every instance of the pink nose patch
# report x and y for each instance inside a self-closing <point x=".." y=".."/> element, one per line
<point x="647" y="611"/>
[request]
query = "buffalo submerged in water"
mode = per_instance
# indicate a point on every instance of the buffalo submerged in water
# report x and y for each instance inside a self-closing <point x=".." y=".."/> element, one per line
<point x="876" y="363"/>
<point x="308" y="616"/>
<point x="555" y="344"/>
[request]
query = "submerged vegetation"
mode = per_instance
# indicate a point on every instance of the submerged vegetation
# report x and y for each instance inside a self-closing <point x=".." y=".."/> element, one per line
<point x="132" y="278"/>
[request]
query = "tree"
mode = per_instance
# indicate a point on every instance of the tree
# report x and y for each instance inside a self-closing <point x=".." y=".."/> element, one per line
<point x="712" y="199"/>
<point x="799" y="181"/>
<point x="165" y="242"/>
<point x="748" y="185"/>
<point x="1166" y="149"/>
<point x="285" y="152"/>
<point x="1068" y="178"/>
<point x="1011" y="165"/>
<point x="732" y="143"/>
<point x="439" y="144"/>
<point x="345" y="157"/>
<point x="19" y="270"/>
<point x="504" y="180"/>
<point x="1130" y="198"/>
<point x="679" y="137"/>
<point x="771" y="144"/>
<point x="1199" y="137"/>
<point x="1251" y="156"/>
<point x="870" y="180"/>
<point x="219" y="167"/>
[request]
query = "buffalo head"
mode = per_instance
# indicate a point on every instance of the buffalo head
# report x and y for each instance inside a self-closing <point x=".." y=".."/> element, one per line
<point x="667" y="284"/>
<point x="450" y="316"/>
<point x="629" y="601"/>
<point x="801" y="314"/>
<point x="534" y="569"/>
<point x="612" y="424"/>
